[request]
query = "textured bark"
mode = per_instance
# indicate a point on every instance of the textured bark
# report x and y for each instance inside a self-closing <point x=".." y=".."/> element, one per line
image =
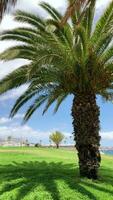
<point x="85" y="113"/>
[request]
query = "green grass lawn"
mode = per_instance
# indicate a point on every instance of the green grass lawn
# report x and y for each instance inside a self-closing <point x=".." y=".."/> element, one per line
<point x="50" y="174"/>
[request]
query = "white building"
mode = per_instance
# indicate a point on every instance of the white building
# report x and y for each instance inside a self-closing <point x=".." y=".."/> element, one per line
<point x="12" y="142"/>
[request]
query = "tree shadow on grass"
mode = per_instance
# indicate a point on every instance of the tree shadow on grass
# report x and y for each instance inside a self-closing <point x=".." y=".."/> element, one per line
<point x="27" y="176"/>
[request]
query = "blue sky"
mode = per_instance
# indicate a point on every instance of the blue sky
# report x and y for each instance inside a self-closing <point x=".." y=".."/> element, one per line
<point x="39" y="127"/>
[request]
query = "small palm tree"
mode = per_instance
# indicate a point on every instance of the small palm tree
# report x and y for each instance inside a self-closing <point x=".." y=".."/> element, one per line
<point x="74" y="59"/>
<point x="9" y="138"/>
<point x="4" y="4"/>
<point x="57" y="138"/>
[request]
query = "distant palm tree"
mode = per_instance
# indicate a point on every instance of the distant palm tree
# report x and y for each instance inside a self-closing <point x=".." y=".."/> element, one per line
<point x="9" y="138"/>
<point x="40" y="142"/>
<point x="57" y="138"/>
<point x="4" y="4"/>
<point x="74" y="59"/>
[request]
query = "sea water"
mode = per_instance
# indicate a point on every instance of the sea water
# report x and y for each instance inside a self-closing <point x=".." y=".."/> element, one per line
<point x="108" y="152"/>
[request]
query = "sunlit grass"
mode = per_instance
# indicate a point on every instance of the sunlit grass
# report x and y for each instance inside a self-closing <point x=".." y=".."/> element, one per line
<point x="50" y="174"/>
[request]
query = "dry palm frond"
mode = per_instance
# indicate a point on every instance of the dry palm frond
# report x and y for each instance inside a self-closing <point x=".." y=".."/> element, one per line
<point x="75" y="5"/>
<point x="4" y="4"/>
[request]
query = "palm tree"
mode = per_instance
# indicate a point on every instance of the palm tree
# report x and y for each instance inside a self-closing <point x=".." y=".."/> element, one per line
<point x="9" y="138"/>
<point x="74" y="59"/>
<point x="4" y="5"/>
<point x="57" y="138"/>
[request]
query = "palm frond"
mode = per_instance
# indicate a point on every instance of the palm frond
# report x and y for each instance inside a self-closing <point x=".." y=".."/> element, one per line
<point x="104" y="24"/>
<point x="74" y="6"/>
<point x="32" y="91"/>
<point x="38" y="102"/>
<point x="51" y="10"/>
<point x="14" y="79"/>
<point x="59" y="100"/>
<point x="53" y="96"/>
<point x="107" y="56"/>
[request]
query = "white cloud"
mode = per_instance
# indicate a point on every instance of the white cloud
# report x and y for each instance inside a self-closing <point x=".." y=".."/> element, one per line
<point x="24" y="132"/>
<point x="107" y="135"/>
<point x="4" y="120"/>
<point x="9" y="121"/>
<point x="13" y="94"/>
<point x="100" y="3"/>
<point x="8" y="23"/>
<point x="18" y="116"/>
<point x="29" y="5"/>
<point x="12" y="127"/>
<point x="18" y="131"/>
<point x="8" y="67"/>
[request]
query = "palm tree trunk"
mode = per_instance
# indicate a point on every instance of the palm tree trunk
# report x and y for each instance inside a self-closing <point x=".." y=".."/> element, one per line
<point x="85" y="113"/>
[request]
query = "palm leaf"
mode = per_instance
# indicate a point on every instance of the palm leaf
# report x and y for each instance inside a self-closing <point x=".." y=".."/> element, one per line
<point x="37" y="103"/>
<point x="75" y="5"/>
